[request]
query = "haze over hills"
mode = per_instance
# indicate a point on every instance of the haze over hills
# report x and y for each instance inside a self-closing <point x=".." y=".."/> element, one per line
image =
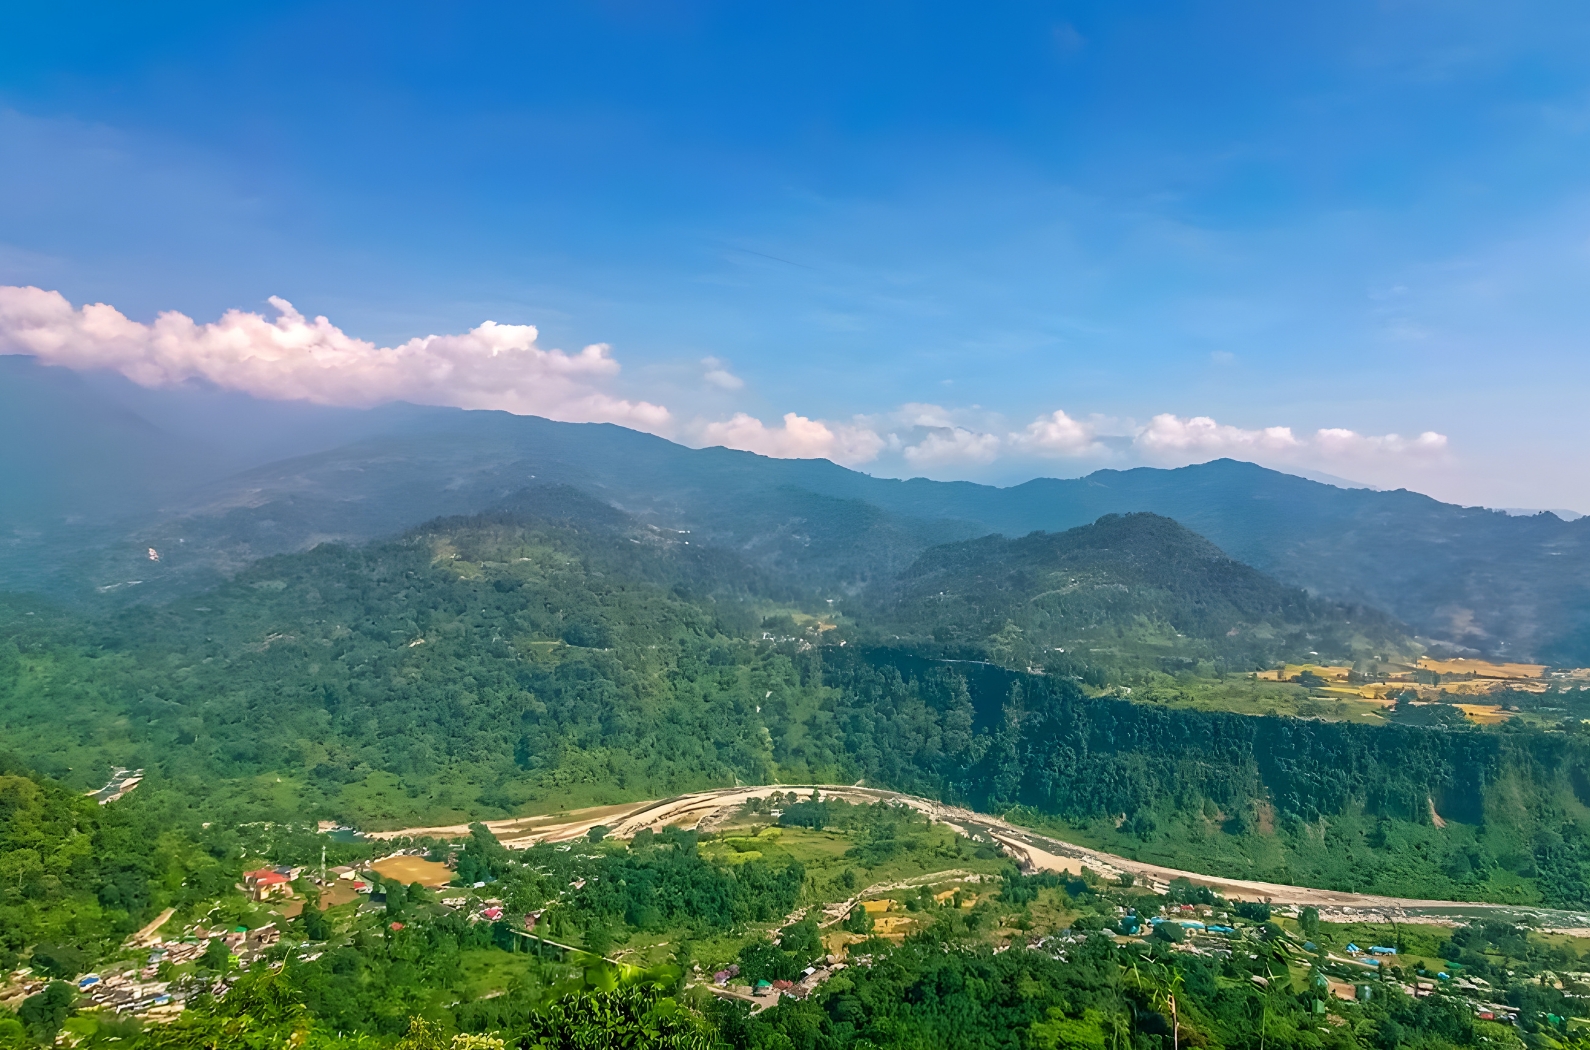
<point x="1469" y="577"/>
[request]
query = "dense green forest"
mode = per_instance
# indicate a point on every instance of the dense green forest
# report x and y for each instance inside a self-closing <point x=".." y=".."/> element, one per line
<point x="1339" y="805"/>
<point x="463" y="669"/>
<point x="76" y="877"/>
<point x="475" y="666"/>
<point x="555" y="653"/>
<point x="1126" y="592"/>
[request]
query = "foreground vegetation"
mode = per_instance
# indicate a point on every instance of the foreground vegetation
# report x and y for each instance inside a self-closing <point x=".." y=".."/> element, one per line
<point x="559" y="656"/>
<point x="1003" y="961"/>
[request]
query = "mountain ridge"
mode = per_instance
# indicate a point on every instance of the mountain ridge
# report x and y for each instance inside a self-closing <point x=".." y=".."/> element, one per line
<point x="1470" y="578"/>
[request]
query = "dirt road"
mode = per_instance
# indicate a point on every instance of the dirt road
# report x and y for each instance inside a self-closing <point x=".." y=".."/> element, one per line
<point x="1034" y="852"/>
<point x="148" y="935"/>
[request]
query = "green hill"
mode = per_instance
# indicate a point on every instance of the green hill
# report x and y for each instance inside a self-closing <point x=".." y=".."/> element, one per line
<point x="471" y="665"/>
<point x="1125" y="592"/>
<point x="555" y="652"/>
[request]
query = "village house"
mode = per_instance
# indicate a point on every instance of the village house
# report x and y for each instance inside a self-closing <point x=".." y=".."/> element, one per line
<point x="266" y="883"/>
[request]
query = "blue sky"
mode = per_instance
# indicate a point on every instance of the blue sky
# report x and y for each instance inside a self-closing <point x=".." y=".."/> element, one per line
<point x="923" y="228"/>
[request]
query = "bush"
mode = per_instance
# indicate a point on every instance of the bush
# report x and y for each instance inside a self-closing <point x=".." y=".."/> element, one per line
<point x="802" y="940"/>
<point x="58" y="960"/>
<point x="813" y="814"/>
<point x="45" y="1012"/>
<point x="1309" y="920"/>
<point x="766" y="961"/>
<point x="1170" y="932"/>
<point x="1256" y="911"/>
<point x="216" y="956"/>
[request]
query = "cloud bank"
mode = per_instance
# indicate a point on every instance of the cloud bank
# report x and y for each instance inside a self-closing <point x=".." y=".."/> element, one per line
<point x="1175" y="438"/>
<point x="933" y="438"/>
<point x="496" y="366"/>
<point x="798" y="438"/>
<point x="499" y="366"/>
<point x="1057" y="434"/>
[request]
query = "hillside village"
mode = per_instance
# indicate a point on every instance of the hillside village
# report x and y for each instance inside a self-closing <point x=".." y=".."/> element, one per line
<point x="1343" y="958"/>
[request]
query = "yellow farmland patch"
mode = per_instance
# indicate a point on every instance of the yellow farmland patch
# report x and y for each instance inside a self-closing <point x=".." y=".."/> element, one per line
<point x="1484" y="714"/>
<point x="1482" y="668"/>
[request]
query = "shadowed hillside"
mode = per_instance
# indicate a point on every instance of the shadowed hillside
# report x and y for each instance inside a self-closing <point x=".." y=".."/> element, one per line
<point x="1130" y="590"/>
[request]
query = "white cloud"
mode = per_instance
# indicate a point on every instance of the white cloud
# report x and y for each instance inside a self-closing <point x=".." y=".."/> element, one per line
<point x="1170" y="437"/>
<point x="919" y="414"/>
<point x="1057" y="434"/>
<point x="1349" y="444"/>
<point x="499" y="366"/>
<point x="718" y="375"/>
<point x="1174" y="436"/>
<point x="953" y="445"/>
<point x="495" y="366"/>
<point x="798" y="438"/>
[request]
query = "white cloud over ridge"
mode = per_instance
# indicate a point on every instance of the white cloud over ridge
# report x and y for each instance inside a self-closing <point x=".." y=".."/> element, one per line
<point x="798" y="438"/>
<point x="1175" y="438"/>
<point x="1167" y="439"/>
<point x="1057" y="434"/>
<point x="494" y="366"/>
<point x="500" y="366"/>
<point x="947" y="445"/>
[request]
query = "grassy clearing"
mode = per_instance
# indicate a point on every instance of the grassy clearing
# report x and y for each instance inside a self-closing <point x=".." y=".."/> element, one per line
<point x="490" y="970"/>
<point x="840" y="863"/>
<point x="1247" y="696"/>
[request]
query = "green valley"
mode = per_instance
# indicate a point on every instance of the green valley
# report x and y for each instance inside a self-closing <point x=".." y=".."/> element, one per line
<point x="556" y="653"/>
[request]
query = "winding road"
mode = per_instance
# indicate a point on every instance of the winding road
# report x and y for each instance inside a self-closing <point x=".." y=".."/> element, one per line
<point x="706" y="810"/>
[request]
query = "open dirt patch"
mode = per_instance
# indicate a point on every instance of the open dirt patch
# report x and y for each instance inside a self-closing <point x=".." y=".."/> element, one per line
<point x="409" y="870"/>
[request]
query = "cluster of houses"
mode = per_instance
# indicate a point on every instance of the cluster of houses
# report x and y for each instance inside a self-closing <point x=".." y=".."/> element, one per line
<point x="141" y="991"/>
<point x="1214" y="938"/>
<point x="767" y="993"/>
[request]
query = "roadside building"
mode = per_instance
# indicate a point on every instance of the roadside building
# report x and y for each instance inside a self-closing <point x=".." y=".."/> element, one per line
<point x="267" y="883"/>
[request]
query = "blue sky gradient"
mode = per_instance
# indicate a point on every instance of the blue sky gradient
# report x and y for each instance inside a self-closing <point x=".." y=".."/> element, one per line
<point x="1371" y="216"/>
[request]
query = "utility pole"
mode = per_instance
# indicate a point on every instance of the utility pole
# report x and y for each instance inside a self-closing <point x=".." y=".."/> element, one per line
<point x="322" y="863"/>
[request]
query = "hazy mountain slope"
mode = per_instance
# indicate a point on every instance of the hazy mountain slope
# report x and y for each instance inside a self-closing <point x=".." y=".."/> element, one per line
<point x="1504" y="585"/>
<point x="96" y="447"/>
<point x="460" y="463"/>
<point x="1126" y="591"/>
<point x="71" y="454"/>
<point x="1508" y="586"/>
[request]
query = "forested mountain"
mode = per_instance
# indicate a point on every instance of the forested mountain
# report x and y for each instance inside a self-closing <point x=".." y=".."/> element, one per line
<point x="470" y="663"/>
<point x="1325" y="804"/>
<point x="555" y="651"/>
<point x="1506" y="586"/>
<point x="558" y="650"/>
<point x="1127" y="591"/>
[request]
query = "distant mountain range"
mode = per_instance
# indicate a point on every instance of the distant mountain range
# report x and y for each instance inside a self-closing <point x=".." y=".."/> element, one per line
<point x="89" y="486"/>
